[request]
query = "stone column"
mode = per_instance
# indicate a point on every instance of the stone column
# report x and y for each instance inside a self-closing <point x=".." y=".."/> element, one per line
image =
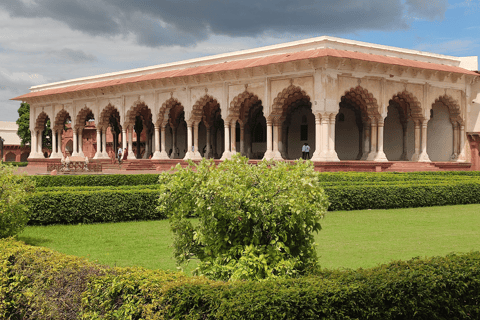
<point x="80" y="143"/>
<point x="325" y="137"/>
<point x="276" y="140"/>
<point x="269" y="153"/>
<point x="124" y="138"/>
<point x="75" y="142"/>
<point x="424" y="156"/>
<point x="104" y="144"/>
<point x="284" y="139"/>
<point x="233" y="135"/>
<point x="54" y="154"/>
<point x="380" y="156"/>
<point x="454" y="155"/>
<point x="332" y="153"/>
<point x="403" y="157"/>
<point x="196" y="152"/>
<point x="156" y="154"/>
<point x="98" y="153"/>
<point x="59" y="143"/>
<point x="174" y="142"/>
<point x="317" y="155"/>
<point x="40" y="143"/>
<point x="189" y="154"/>
<point x="366" y="140"/>
<point x="461" y="156"/>
<point x="209" y="142"/>
<point x="131" y="154"/>
<point x="33" y="152"/>
<point x="242" y="138"/>
<point x="417" y="133"/>
<point x="373" y="141"/>
<point x="226" y="153"/>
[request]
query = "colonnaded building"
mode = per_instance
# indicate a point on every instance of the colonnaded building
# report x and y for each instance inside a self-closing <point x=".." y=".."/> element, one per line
<point x="354" y="103"/>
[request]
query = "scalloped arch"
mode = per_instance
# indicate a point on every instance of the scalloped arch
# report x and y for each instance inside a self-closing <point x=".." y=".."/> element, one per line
<point x="410" y="105"/>
<point x="285" y="98"/>
<point x="241" y="104"/>
<point x="60" y="119"/>
<point x="204" y="108"/>
<point x="105" y="115"/>
<point x="364" y="100"/>
<point x="139" y="108"/>
<point x="165" y="110"/>
<point x="82" y="116"/>
<point x="41" y="120"/>
<point x="453" y="107"/>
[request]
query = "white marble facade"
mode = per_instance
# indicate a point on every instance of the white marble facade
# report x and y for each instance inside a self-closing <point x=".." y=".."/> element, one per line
<point x="345" y="105"/>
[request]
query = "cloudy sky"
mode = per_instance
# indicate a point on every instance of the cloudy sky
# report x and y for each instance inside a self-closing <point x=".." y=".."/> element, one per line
<point x="44" y="41"/>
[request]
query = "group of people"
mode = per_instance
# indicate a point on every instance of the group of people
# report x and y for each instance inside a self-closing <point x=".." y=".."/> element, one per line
<point x="305" y="151"/>
<point x="121" y="154"/>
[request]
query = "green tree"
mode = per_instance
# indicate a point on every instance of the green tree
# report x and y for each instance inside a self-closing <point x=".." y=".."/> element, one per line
<point x="13" y="193"/>
<point x="23" y="122"/>
<point x="254" y="221"/>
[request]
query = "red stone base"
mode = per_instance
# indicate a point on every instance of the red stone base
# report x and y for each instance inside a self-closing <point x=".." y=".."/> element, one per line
<point x="359" y="166"/>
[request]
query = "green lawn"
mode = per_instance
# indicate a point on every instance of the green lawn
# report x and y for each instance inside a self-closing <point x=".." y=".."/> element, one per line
<point x="349" y="239"/>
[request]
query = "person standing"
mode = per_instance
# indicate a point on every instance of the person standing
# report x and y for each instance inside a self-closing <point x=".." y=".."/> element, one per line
<point x="304" y="147"/>
<point x="119" y="155"/>
<point x="307" y="151"/>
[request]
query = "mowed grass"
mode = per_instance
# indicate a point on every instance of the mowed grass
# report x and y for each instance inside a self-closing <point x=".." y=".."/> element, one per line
<point x="349" y="239"/>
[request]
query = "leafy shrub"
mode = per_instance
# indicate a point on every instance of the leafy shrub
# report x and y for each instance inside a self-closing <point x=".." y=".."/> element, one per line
<point x="255" y="221"/>
<point x="13" y="192"/>
<point x="37" y="283"/>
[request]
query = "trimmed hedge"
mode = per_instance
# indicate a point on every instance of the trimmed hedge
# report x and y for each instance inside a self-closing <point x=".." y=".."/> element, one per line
<point x="71" y="205"/>
<point x="337" y="177"/>
<point x="37" y="283"/>
<point x="108" y="205"/>
<point x="96" y="180"/>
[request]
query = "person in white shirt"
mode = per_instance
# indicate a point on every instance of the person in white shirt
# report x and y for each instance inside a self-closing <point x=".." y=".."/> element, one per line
<point x="307" y="151"/>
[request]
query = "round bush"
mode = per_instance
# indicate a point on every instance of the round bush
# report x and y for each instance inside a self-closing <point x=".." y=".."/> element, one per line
<point x="254" y="221"/>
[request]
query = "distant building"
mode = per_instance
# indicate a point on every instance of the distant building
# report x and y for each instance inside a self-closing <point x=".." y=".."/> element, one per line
<point x="12" y="151"/>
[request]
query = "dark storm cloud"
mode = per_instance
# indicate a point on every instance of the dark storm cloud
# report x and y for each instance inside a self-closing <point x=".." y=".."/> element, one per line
<point x="173" y="22"/>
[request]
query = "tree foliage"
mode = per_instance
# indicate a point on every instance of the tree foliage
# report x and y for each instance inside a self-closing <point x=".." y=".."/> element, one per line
<point x="13" y="195"/>
<point x="23" y="123"/>
<point x="254" y="221"/>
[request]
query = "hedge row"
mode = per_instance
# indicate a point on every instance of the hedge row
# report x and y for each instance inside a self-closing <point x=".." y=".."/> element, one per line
<point x="71" y="205"/>
<point x="110" y="205"/>
<point x="96" y="180"/>
<point x="37" y="283"/>
<point x="150" y="179"/>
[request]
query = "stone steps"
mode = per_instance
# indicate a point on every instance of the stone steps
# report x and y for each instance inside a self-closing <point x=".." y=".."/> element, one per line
<point x="408" y="166"/>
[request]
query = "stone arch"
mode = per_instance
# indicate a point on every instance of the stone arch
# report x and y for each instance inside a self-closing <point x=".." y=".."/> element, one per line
<point x="248" y="109"/>
<point x="286" y="109"/>
<point x="60" y="119"/>
<point x="443" y="129"/>
<point x="41" y="121"/>
<point x="453" y="108"/>
<point x="83" y="116"/>
<point x="10" y="157"/>
<point x="357" y="109"/>
<point x="24" y="156"/>
<point x="105" y="115"/>
<point x="285" y="98"/>
<point x="203" y="106"/>
<point x="403" y="109"/>
<point x="164" y="112"/>
<point x="139" y="117"/>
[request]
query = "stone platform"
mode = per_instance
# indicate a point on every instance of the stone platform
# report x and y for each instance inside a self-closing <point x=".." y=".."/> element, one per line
<point x="145" y="165"/>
